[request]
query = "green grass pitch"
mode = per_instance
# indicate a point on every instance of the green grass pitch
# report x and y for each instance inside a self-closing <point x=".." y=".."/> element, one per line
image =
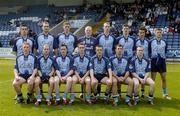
<point x="162" y="107"/>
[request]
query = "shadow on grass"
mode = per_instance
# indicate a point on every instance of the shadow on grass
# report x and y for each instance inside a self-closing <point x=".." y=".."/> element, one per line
<point x="159" y="105"/>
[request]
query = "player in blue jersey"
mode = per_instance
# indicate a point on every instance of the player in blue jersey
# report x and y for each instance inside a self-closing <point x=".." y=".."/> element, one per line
<point x="46" y="38"/>
<point x="24" y="71"/>
<point x="106" y="40"/>
<point x="89" y="41"/>
<point x="140" y="68"/>
<point x="142" y="41"/>
<point x="158" y="49"/>
<point x="81" y="70"/>
<point x="45" y="75"/>
<point x="127" y="42"/>
<point x="67" y="38"/>
<point x="64" y="72"/>
<point x="120" y="70"/>
<point x="100" y="72"/>
<point x="21" y="39"/>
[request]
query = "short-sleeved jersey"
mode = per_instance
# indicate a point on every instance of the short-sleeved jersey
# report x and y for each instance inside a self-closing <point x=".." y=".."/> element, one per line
<point x="81" y="64"/>
<point x="119" y="65"/>
<point x="63" y="64"/>
<point x="90" y="44"/>
<point x="19" y="42"/>
<point x="145" y="44"/>
<point x="26" y="64"/>
<point x="128" y="45"/>
<point x="139" y="66"/>
<point x="43" y="39"/>
<point x="69" y="40"/>
<point x="45" y="65"/>
<point x="158" y="48"/>
<point x="100" y="66"/>
<point x="108" y="43"/>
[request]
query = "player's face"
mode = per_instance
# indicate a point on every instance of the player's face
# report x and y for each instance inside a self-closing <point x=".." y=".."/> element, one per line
<point x="23" y="31"/>
<point x="46" y="50"/>
<point x="88" y="31"/>
<point x="81" y="48"/>
<point x="119" y="50"/>
<point x="45" y="27"/>
<point x="66" y="28"/>
<point x="158" y="33"/>
<point x="26" y="48"/>
<point x="140" y="51"/>
<point x="63" y="50"/>
<point x="106" y="27"/>
<point x="99" y="51"/>
<point x="125" y="30"/>
<point x="141" y="34"/>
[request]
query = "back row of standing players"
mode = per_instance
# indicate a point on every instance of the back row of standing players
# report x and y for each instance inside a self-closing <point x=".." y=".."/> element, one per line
<point x="103" y="68"/>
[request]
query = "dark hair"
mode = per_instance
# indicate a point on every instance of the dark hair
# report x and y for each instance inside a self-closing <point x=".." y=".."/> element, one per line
<point x="64" y="45"/>
<point x="119" y="45"/>
<point x="143" y="28"/>
<point x="99" y="46"/>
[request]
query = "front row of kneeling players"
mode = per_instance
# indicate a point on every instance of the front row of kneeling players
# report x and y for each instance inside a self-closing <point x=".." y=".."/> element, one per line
<point x="84" y="70"/>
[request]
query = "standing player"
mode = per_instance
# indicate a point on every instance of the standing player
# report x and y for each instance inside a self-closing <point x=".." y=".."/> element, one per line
<point x="81" y="69"/>
<point x="21" y="39"/>
<point x="100" y="72"/>
<point x="45" y="72"/>
<point x="46" y="38"/>
<point x="24" y="71"/>
<point x="64" y="71"/>
<point x="127" y="42"/>
<point x="120" y="69"/>
<point x="89" y="41"/>
<point x="67" y="38"/>
<point x="106" y="40"/>
<point x="158" y="49"/>
<point x="142" y="41"/>
<point x="139" y="68"/>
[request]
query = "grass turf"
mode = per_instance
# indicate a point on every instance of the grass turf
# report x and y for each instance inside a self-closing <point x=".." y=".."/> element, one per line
<point x="161" y="107"/>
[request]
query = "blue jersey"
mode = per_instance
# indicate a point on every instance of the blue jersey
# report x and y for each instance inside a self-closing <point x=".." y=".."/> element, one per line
<point x="100" y="66"/>
<point x="108" y="43"/>
<point x="45" y="65"/>
<point x="26" y="64"/>
<point x="139" y="66"/>
<point x="90" y="44"/>
<point x="63" y="64"/>
<point x="42" y="39"/>
<point x="81" y="64"/>
<point x="19" y="42"/>
<point x="158" y="48"/>
<point x="69" y="40"/>
<point x="119" y="65"/>
<point x="145" y="44"/>
<point x="128" y="45"/>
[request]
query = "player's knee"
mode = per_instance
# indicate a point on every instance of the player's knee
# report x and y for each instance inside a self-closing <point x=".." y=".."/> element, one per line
<point x="131" y="83"/>
<point x="15" y="83"/>
<point x="94" y="83"/>
<point x="152" y="84"/>
<point x="88" y="81"/>
<point x="51" y="82"/>
<point x="69" y="80"/>
<point x="109" y="82"/>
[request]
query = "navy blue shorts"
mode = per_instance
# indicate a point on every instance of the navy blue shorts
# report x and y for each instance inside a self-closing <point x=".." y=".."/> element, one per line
<point x="99" y="77"/>
<point x="25" y="76"/>
<point x="158" y="65"/>
<point x="45" y="79"/>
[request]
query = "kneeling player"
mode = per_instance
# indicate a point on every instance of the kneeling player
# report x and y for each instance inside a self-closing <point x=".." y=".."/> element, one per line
<point x="24" y="71"/>
<point x="139" y="67"/>
<point x="45" y="72"/>
<point x="81" y="68"/>
<point x="120" y="68"/>
<point x="100" y="72"/>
